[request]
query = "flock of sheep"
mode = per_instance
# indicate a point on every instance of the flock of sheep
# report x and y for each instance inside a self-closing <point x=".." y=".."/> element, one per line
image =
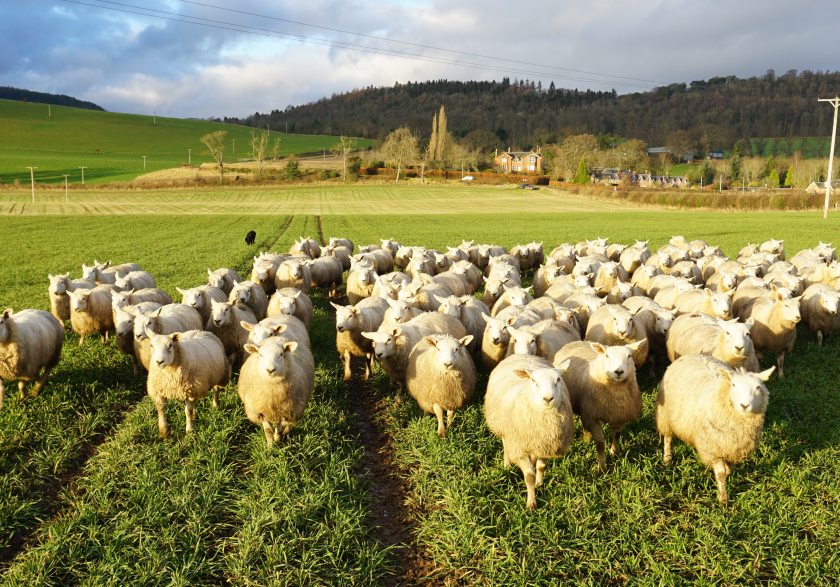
<point x="571" y="343"/>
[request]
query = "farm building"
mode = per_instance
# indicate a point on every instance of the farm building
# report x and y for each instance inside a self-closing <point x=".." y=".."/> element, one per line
<point x="818" y="187"/>
<point x="616" y="177"/>
<point x="518" y="161"/>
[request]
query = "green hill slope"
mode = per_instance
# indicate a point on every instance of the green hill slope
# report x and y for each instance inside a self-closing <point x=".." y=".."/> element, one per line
<point x="111" y="145"/>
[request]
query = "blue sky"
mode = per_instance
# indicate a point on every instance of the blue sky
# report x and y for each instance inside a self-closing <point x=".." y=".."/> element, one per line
<point x="241" y="60"/>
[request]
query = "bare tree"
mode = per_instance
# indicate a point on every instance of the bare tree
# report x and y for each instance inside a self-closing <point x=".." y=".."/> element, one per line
<point x="259" y="148"/>
<point x="215" y="143"/>
<point x="343" y="148"/>
<point x="573" y="148"/>
<point x="400" y="148"/>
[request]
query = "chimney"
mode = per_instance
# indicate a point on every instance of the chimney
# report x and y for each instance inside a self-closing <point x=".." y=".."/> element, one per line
<point x="508" y="149"/>
<point x="495" y="152"/>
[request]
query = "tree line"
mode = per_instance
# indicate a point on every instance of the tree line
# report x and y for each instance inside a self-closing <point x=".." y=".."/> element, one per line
<point x="8" y="93"/>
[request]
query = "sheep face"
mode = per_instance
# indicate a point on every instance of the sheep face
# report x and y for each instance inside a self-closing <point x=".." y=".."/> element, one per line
<point x="790" y="312"/>
<point x="121" y="282"/>
<point x="609" y="270"/>
<point x="401" y="310"/>
<point x="736" y="336"/>
<point x="451" y="306"/>
<point x="663" y="321"/>
<point x="4" y="326"/>
<point x="221" y="313"/>
<point x="450" y="351"/>
<point x="58" y="284"/>
<point x="144" y="324"/>
<point x="524" y="342"/>
<point x="518" y="297"/>
<point x="89" y="272"/>
<point x="384" y="343"/>
<point x="497" y="330"/>
<point x="260" y="273"/>
<point x="346" y="318"/>
<point x="747" y="393"/>
<point x="830" y="303"/>
<point x="617" y="361"/>
<point x="79" y="300"/>
<point x="623" y="290"/>
<point x="257" y="333"/>
<point x="777" y="247"/>
<point x="120" y="299"/>
<point x="287" y="304"/>
<point x="192" y="297"/>
<point x="547" y="388"/>
<point x="722" y="305"/>
<point x="274" y="356"/>
<point x="162" y="349"/>
<point x="124" y="323"/>
<point x="366" y="276"/>
<point x="241" y="293"/>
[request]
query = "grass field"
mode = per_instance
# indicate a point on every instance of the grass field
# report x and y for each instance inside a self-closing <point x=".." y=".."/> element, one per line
<point x="111" y="145"/>
<point x="89" y="495"/>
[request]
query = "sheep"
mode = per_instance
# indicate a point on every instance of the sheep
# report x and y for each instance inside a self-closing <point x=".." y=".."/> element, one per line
<point x="820" y="273"/>
<point x="717" y="304"/>
<point x="494" y="288"/>
<point x="819" y="308"/>
<point x="773" y="246"/>
<point x="494" y="341"/>
<point x="544" y="277"/>
<point x="607" y="276"/>
<point x="655" y="319"/>
<point x="223" y="278"/>
<point x="543" y="339"/>
<point x="515" y="296"/>
<point x="668" y="295"/>
<point x="389" y="284"/>
<point x="226" y="323"/>
<point x="728" y="341"/>
<point x="293" y="273"/>
<point x="687" y="270"/>
<point x="185" y="366"/>
<point x="717" y="410"/>
<point x="360" y="284"/>
<point x="291" y="301"/>
<point x="425" y="296"/>
<point x="135" y="280"/>
<point x="289" y="327"/>
<point x="468" y="310"/>
<point x="105" y="273"/>
<point x="30" y="343"/>
<point x="326" y="274"/>
<point x="275" y="384"/>
<point x="162" y="320"/>
<point x="527" y="406"/>
<point x="441" y="376"/>
<point x="252" y="295"/>
<point x="58" y="288"/>
<point x="389" y="245"/>
<point x="773" y="326"/>
<point x="612" y="324"/>
<point x="90" y="311"/>
<point x="201" y="298"/>
<point x="455" y="283"/>
<point x="124" y="327"/>
<point x="634" y="256"/>
<point x="583" y="305"/>
<point x="785" y="280"/>
<point x="341" y="253"/>
<point x="264" y="271"/>
<point x="392" y="345"/>
<point x="350" y="322"/>
<point x="602" y="388"/>
<point x="621" y="291"/>
<point x="306" y="246"/>
<point x="121" y="299"/>
<point x="642" y="277"/>
<point x="342" y="242"/>
<point x="722" y="281"/>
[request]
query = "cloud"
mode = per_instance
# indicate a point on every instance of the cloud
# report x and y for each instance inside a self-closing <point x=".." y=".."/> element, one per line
<point x="128" y="62"/>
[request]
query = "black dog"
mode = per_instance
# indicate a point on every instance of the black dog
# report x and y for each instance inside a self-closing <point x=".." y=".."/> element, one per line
<point x="250" y="237"/>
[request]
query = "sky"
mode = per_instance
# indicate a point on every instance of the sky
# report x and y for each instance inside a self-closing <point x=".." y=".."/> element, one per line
<point x="246" y="56"/>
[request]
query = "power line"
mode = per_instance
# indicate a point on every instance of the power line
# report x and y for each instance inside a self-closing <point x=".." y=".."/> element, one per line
<point x="419" y="45"/>
<point x="247" y="29"/>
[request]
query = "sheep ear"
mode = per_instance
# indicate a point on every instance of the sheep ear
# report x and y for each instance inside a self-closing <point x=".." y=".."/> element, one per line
<point x="336" y="306"/>
<point x="430" y="341"/>
<point x="7" y="312"/>
<point x="564" y="366"/>
<point x="209" y="272"/>
<point x="598" y="348"/>
<point x="487" y="319"/>
<point x="634" y="346"/>
<point x="522" y="373"/>
<point x="251" y="348"/>
<point x="440" y="300"/>
<point x="247" y="325"/>
<point x="466" y="340"/>
<point x="369" y="335"/>
<point x="396" y="331"/>
<point x="280" y="328"/>
<point x="750" y="321"/>
<point x="290" y="346"/>
<point x="181" y="291"/>
<point x="765" y="375"/>
<point x="725" y="373"/>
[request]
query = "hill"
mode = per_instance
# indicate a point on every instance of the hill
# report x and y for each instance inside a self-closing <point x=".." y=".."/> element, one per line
<point x="715" y="112"/>
<point x="112" y="145"/>
<point x="7" y="93"/>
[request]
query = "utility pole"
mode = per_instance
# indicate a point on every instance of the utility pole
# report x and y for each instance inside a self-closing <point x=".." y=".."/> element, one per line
<point x="234" y="146"/>
<point x="83" y="173"/>
<point x="66" y="196"/>
<point x="49" y="111"/>
<point x="836" y="103"/>
<point x="32" y="178"/>
<point x="144" y="161"/>
<point x="189" y="156"/>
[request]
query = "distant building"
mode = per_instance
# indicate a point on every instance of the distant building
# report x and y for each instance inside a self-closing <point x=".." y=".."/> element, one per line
<point x="715" y="154"/>
<point x="617" y="177"/>
<point x="818" y="187"/>
<point x="518" y="161"/>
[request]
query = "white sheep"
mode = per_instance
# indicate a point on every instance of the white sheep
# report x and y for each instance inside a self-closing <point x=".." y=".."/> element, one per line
<point x="135" y="280"/>
<point x="360" y="284"/>
<point x="58" y="288"/>
<point x="339" y="252"/>
<point x="185" y="366"/>
<point x="819" y="308"/>
<point x="342" y="242"/>
<point x="717" y="410"/>
<point x="469" y="311"/>
<point x="124" y="326"/>
<point x="289" y="327"/>
<point x="393" y="345"/>
<point x="90" y="311"/>
<point x="583" y="305"/>
<point x="656" y="321"/>
<point x="326" y="274"/>
<point x="250" y="294"/>
<point x="399" y="312"/>
<point x="30" y="343"/>
<point x="291" y="301"/>
<point x="264" y="271"/>
<point x="201" y="298"/>
<point x="293" y="273"/>
<point x="275" y="384"/>
<point x="515" y="296"/>
<point x="728" y="341"/>
<point x="306" y="246"/>
<point x="350" y="322"/>
<point x="494" y="341"/>
<point x="717" y="304"/>
<point x="105" y="273"/>
<point x="527" y="406"/>
<point x="773" y="326"/>
<point x="223" y="278"/>
<point x="602" y="387"/>
<point x="121" y="299"/>
<point x="226" y="323"/>
<point x="441" y="376"/>
<point x="616" y="325"/>
<point x="162" y="320"/>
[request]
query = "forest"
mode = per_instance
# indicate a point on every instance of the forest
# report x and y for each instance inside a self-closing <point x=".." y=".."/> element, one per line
<point x="8" y="93"/>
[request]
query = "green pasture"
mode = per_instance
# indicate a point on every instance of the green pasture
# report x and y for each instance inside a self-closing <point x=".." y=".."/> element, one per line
<point x="90" y="495"/>
<point x="111" y="145"/>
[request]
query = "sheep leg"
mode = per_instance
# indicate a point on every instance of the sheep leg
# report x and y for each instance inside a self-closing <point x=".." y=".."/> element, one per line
<point x="441" y="430"/>
<point x="189" y="412"/>
<point x="527" y="467"/>
<point x="450" y="415"/>
<point x="268" y="430"/>
<point x="42" y="381"/>
<point x="22" y="389"/>
<point x="819" y="337"/>
<point x="598" y="436"/>
<point x="666" y="458"/>
<point x="216" y="397"/>
<point x="345" y="360"/>
<point x="506" y="458"/>
<point x="541" y="464"/>
<point x="2" y="392"/>
<point x="614" y="444"/>
<point x="163" y="425"/>
<point x="368" y="365"/>
<point x="81" y="339"/>
<point x="721" y="473"/>
<point x="780" y="364"/>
